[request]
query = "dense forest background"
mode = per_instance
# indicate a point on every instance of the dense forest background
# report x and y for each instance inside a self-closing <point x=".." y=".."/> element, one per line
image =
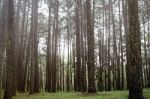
<point x="74" y="45"/>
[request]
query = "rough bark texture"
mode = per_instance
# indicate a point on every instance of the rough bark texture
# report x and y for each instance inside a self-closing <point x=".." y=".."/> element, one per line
<point x="10" y="49"/>
<point x="90" y="41"/>
<point x="135" y="66"/>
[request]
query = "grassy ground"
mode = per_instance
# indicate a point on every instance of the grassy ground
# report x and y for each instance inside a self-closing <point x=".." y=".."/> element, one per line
<point x="63" y="95"/>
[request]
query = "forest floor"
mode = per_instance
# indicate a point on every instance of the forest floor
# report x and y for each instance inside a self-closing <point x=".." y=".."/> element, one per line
<point x="71" y="95"/>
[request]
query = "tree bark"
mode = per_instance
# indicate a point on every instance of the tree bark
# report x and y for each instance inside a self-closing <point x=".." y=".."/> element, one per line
<point x="78" y="46"/>
<point x="34" y="79"/>
<point x="135" y="69"/>
<point x="48" y="86"/>
<point x="90" y="41"/>
<point x="10" y="50"/>
<point x="3" y="20"/>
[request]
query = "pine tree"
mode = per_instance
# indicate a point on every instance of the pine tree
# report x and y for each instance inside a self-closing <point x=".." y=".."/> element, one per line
<point x="10" y="50"/>
<point x="90" y="44"/>
<point x="135" y="65"/>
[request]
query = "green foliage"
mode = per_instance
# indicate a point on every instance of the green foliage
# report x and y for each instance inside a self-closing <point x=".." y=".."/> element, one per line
<point x="71" y="95"/>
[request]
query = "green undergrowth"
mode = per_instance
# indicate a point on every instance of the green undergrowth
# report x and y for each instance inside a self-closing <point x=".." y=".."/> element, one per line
<point x="72" y="95"/>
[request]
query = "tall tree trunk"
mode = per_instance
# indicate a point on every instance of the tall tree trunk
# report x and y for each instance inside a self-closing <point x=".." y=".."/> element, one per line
<point x="90" y="41"/>
<point x="83" y="30"/>
<point x="49" y="53"/>
<point x="114" y="48"/>
<point x="68" y="78"/>
<point x="109" y="55"/>
<point x="63" y="68"/>
<point x="10" y="49"/>
<point x="2" y="39"/>
<point x="121" y="46"/>
<point x="148" y="30"/>
<point x="145" y="63"/>
<point x="25" y="47"/>
<point x="101" y="68"/>
<point x="125" y="20"/>
<point x="121" y="69"/>
<point x="21" y="45"/>
<point x="78" y="46"/>
<point x="34" y="79"/>
<point x="135" y="69"/>
<point x="55" y="29"/>
<point x="18" y="54"/>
